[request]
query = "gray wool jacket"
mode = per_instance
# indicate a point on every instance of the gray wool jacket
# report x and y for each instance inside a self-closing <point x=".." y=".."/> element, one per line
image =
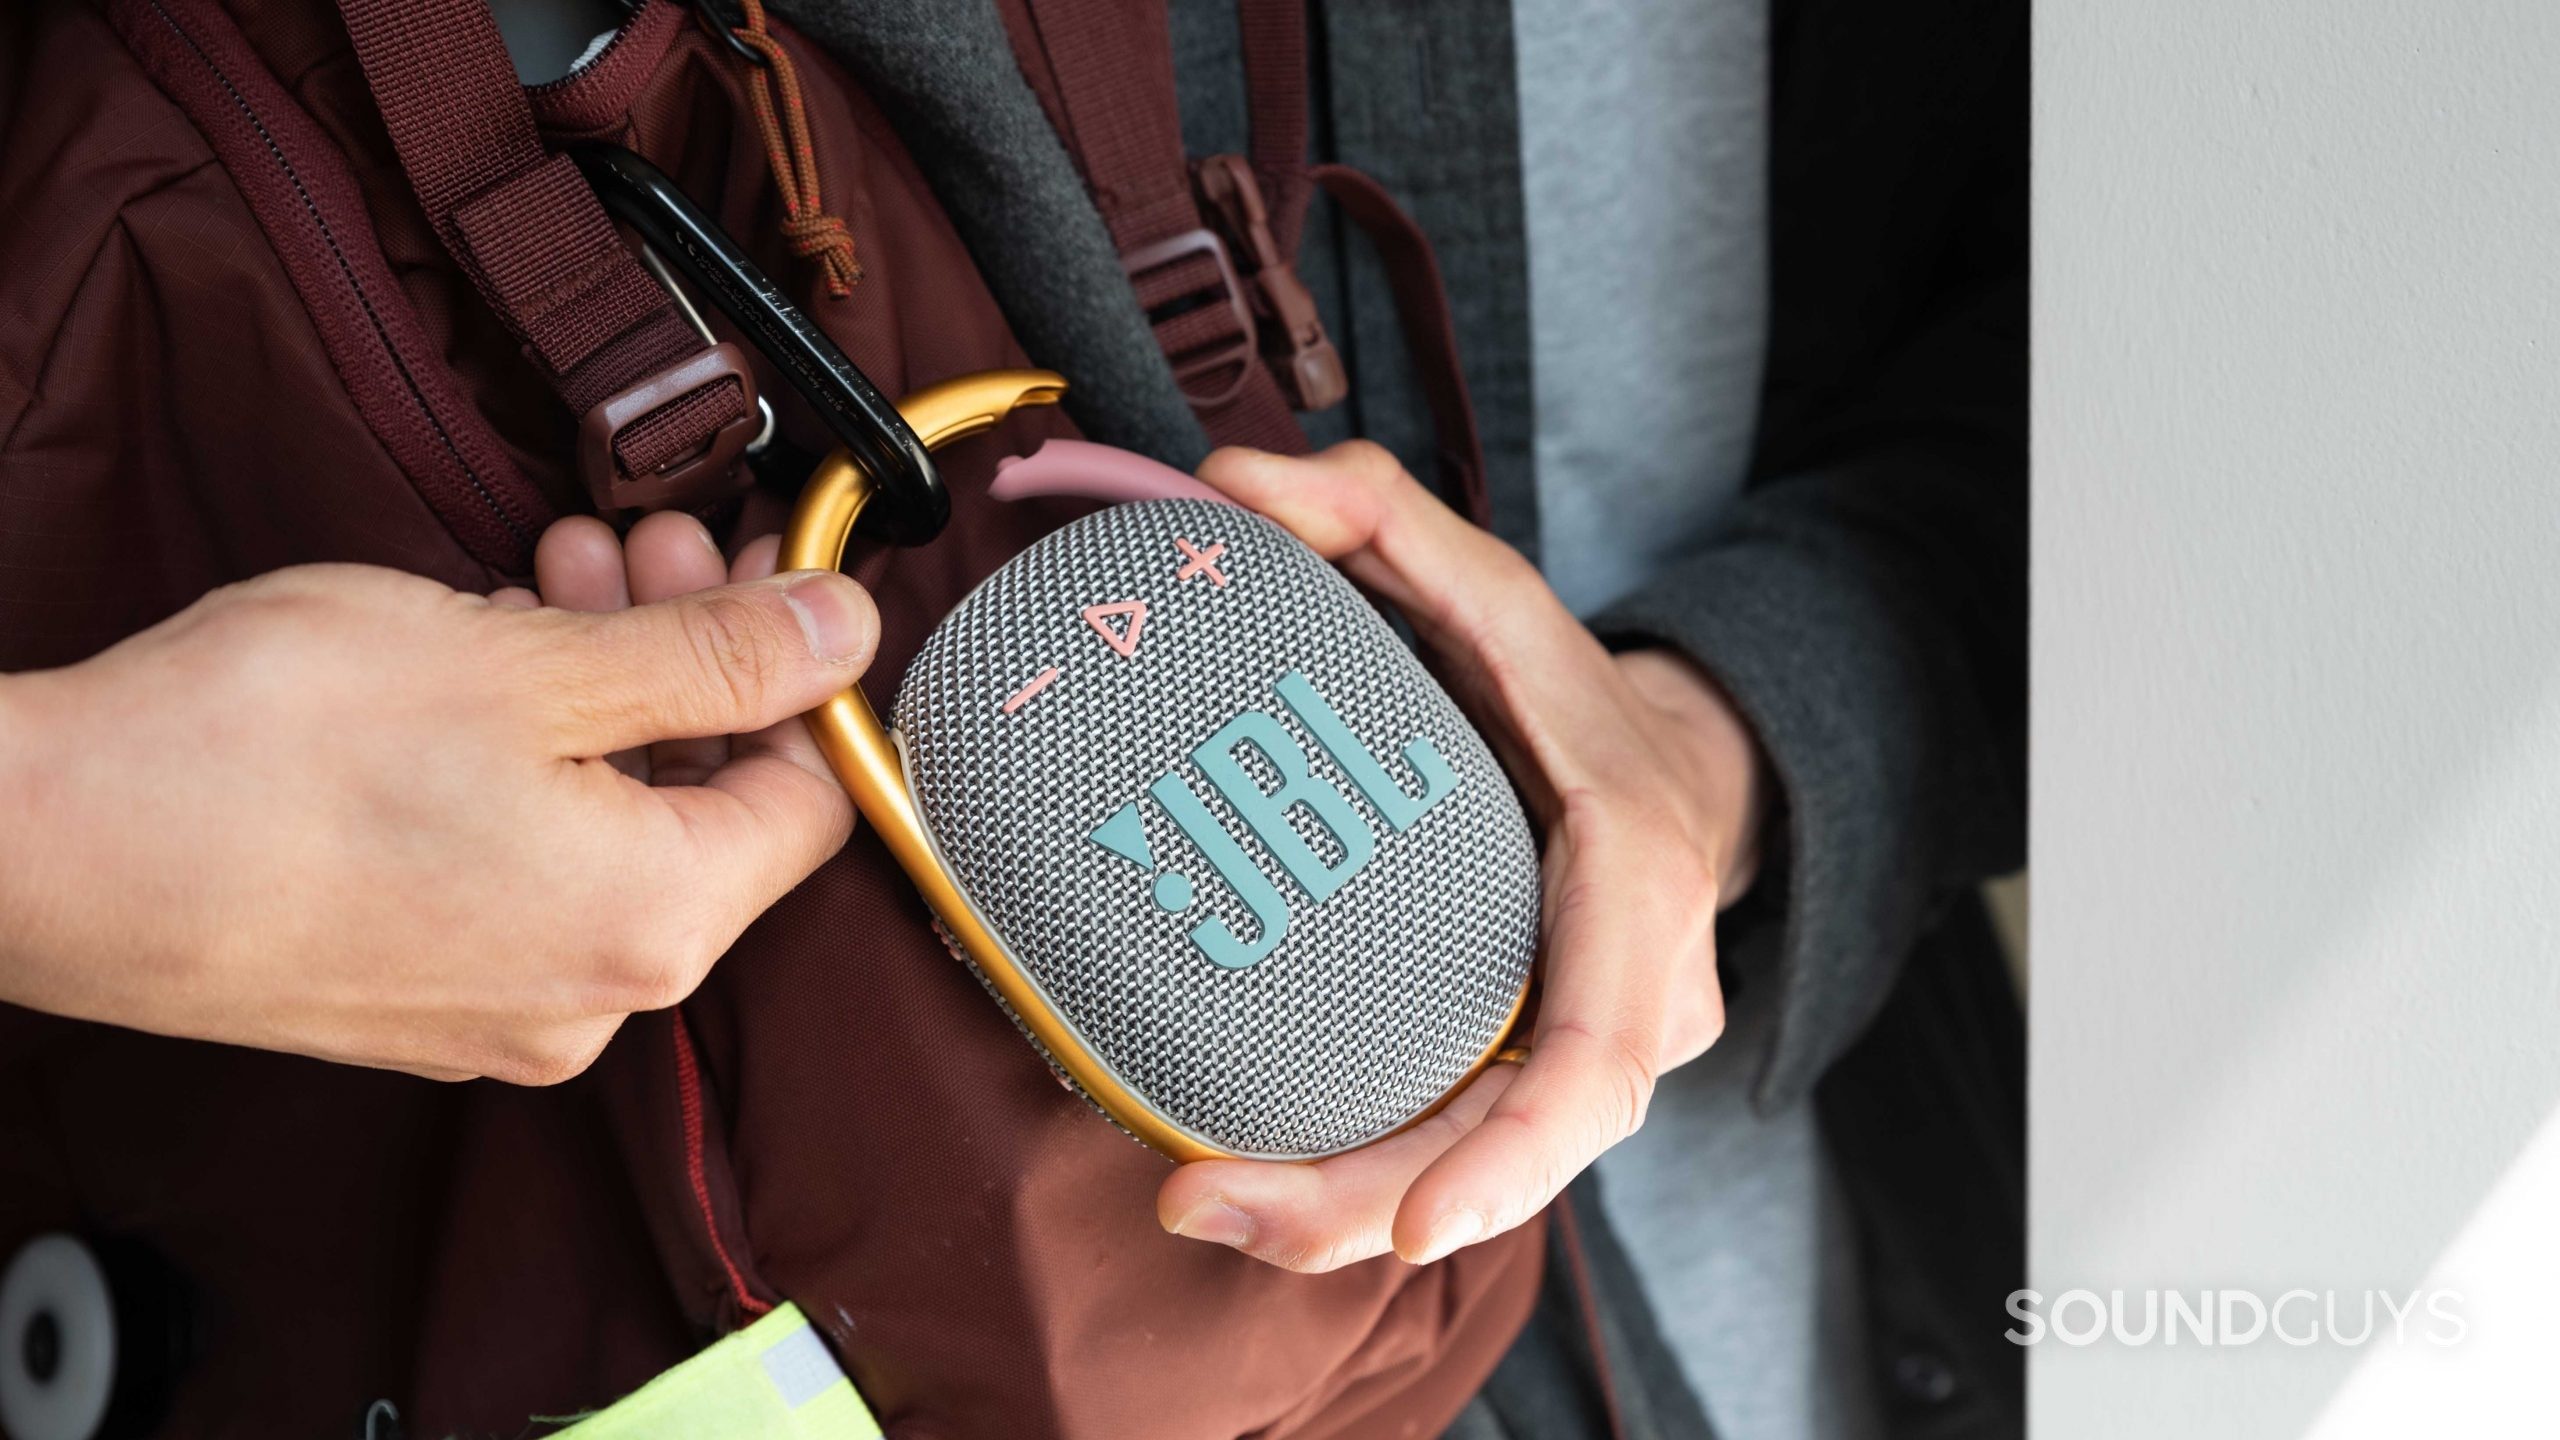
<point x="1863" y="602"/>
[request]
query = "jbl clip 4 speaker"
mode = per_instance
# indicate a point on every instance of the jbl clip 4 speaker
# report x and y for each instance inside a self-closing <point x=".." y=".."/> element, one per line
<point x="1206" y="828"/>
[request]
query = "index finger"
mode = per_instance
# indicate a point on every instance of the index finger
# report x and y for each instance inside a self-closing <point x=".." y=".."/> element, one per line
<point x="1530" y="674"/>
<point x="752" y="831"/>
<point x="1355" y="505"/>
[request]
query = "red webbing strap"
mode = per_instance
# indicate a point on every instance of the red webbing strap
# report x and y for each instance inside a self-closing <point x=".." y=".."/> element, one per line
<point x="524" y="225"/>
<point x="1422" y="304"/>
<point x="1274" y="38"/>
<point x="1112" y="63"/>
<point x="1263" y="201"/>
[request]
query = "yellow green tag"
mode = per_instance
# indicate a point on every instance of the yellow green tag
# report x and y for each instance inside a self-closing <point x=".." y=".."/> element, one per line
<point x="774" y="1380"/>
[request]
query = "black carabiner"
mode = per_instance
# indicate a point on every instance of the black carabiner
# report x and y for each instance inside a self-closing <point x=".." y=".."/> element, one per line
<point x="912" y="506"/>
<point x="715" y="18"/>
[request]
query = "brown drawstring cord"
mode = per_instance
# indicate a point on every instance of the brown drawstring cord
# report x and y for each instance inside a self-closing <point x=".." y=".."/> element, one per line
<point x="813" y="233"/>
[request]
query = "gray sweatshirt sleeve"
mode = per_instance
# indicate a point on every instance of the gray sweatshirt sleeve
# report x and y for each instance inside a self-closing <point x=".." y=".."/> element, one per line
<point x="1866" y="612"/>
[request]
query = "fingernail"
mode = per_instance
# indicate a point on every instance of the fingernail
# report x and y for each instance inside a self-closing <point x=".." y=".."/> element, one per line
<point x="1217" y="1222"/>
<point x="1458" y="1227"/>
<point x="837" y="623"/>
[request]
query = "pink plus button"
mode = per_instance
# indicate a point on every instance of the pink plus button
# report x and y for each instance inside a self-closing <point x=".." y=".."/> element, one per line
<point x="1196" y="561"/>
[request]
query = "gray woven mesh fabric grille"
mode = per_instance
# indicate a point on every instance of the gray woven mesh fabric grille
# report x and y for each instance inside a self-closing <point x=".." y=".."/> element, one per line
<point x="1376" y="999"/>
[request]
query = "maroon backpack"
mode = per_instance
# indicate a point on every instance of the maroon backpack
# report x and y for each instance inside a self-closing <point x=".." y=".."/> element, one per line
<point x="273" y="297"/>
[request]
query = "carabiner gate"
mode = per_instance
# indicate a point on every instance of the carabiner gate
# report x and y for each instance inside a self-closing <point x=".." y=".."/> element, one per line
<point x="910" y="505"/>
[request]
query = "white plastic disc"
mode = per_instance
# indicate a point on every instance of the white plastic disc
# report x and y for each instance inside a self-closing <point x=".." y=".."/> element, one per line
<point x="57" y="1342"/>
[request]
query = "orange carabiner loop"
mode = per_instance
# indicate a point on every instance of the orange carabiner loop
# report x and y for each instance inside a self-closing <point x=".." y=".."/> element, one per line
<point x="847" y="730"/>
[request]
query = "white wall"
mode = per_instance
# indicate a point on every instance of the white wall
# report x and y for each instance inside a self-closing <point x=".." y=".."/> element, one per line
<point x="2296" y="1015"/>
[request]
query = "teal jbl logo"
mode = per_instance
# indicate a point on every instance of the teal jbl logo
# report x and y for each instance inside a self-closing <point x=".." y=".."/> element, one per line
<point x="1266" y="813"/>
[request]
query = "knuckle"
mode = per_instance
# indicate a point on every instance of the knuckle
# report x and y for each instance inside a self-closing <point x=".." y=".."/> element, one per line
<point x="658" y="983"/>
<point x="1304" y="1257"/>
<point x="656" y="976"/>
<point x="1506" y="572"/>
<point x="1294" y="1259"/>
<point x="571" y="692"/>
<point x="733" y="649"/>
<point x="254" y="607"/>
<point x="554" y="1060"/>
<point x="1630" y="1095"/>
<point x="1573" y="895"/>
<point x="1325" y="1259"/>
<point x="1370" y="460"/>
<point x="699" y="934"/>
<point x="1688" y="881"/>
<point x="1658" y="853"/>
<point x="1711" y="1027"/>
<point x="266" y="638"/>
<point x="609" y="939"/>
<point x="1680" y="877"/>
<point x="552" y="1068"/>
<point x="1373" y="465"/>
<point x="1652" y="821"/>
<point x="1622" y="1078"/>
<point x="1443" y="1127"/>
<point x="1480" y="635"/>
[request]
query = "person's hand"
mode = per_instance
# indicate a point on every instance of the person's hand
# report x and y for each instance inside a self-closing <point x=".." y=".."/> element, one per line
<point x="1648" y="790"/>
<point x="351" y="813"/>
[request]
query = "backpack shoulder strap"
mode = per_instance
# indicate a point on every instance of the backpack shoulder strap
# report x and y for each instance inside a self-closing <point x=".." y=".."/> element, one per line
<point x="1104" y="71"/>
<point x="663" y="413"/>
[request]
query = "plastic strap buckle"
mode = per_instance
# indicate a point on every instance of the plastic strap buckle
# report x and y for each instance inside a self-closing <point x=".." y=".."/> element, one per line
<point x="1295" y="345"/>
<point x="1211" y="361"/>
<point x="707" y="472"/>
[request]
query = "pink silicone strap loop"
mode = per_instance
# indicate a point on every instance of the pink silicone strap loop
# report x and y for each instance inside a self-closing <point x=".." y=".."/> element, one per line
<point x="1086" y="471"/>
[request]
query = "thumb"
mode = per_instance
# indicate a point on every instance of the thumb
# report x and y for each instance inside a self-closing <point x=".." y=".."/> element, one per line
<point x="714" y="662"/>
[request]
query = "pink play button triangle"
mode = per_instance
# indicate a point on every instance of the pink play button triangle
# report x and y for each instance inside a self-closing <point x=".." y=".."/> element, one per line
<point x="1122" y="642"/>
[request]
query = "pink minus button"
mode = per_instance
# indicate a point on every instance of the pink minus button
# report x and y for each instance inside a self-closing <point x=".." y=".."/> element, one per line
<point x="1039" y="682"/>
